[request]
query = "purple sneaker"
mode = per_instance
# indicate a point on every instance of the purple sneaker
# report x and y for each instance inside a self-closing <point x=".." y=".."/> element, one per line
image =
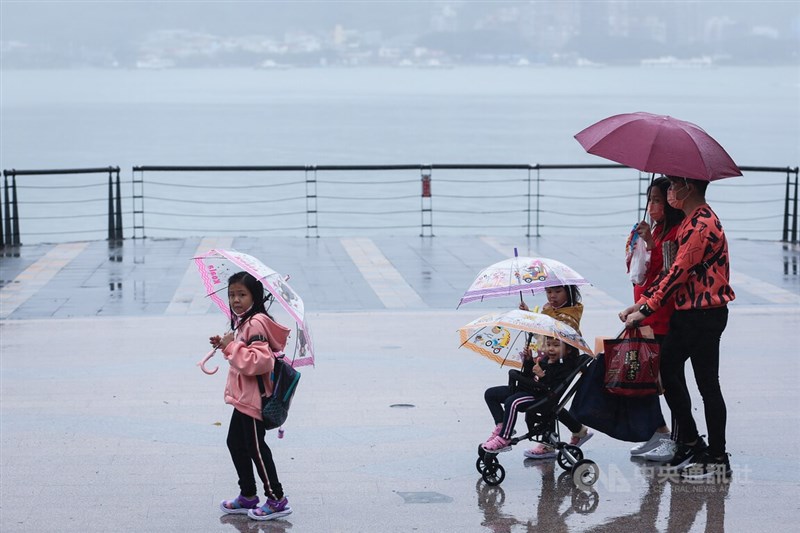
<point x="271" y="510"/>
<point x="238" y="505"/>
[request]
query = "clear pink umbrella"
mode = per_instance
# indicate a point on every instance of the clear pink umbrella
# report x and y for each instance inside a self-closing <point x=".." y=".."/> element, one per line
<point x="659" y="144"/>
<point x="216" y="266"/>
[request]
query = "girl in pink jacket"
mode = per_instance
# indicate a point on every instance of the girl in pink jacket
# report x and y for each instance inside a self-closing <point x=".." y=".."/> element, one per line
<point x="250" y="349"/>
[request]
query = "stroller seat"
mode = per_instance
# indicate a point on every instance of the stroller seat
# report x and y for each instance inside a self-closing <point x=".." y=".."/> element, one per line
<point x="541" y="418"/>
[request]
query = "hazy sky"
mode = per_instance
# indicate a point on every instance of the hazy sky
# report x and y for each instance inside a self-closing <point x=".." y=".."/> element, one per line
<point x="112" y="21"/>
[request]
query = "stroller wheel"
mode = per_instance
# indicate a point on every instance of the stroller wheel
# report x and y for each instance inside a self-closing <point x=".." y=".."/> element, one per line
<point x="585" y="473"/>
<point x="585" y="502"/>
<point x="480" y="465"/>
<point x="493" y="497"/>
<point x="485" y="459"/>
<point x="493" y="473"/>
<point x="564" y="461"/>
<point x="481" y="451"/>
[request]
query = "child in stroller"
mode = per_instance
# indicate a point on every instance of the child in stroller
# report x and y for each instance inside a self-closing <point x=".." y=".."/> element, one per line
<point x="540" y="391"/>
<point x="537" y="379"/>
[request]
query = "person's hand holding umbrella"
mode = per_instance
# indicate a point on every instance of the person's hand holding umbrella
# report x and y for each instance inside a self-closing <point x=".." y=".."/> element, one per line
<point x="221" y="342"/>
<point x="526" y="354"/>
<point x="216" y="342"/>
<point x="537" y="370"/>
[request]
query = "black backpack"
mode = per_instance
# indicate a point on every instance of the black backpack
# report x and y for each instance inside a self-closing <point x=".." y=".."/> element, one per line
<point x="275" y="408"/>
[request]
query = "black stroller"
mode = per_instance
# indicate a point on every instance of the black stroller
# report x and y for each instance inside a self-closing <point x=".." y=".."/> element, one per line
<point x="540" y="418"/>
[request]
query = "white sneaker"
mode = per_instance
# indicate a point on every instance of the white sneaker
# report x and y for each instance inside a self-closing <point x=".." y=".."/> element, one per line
<point x="651" y="444"/>
<point x="663" y="453"/>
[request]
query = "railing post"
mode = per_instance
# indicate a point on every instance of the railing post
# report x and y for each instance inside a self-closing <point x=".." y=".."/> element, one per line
<point x="15" y="214"/>
<point x="7" y="201"/>
<point x="528" y="223"/>
<point x="426" y="202"/>
<point x="312" y="224"/>
<point x="538" y="197"/>
<point x="110" y="236"/>
<point x="3" y="212"/>
<point x="785" y="236"/>
<point x="118" y="217"/>
<point x="137" y="201"/>
<point x="790" y="206"/>
<point x="794" y="210"/>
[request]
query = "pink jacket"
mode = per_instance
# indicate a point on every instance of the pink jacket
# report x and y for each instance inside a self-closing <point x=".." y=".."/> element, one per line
<point x="247" y="362"/>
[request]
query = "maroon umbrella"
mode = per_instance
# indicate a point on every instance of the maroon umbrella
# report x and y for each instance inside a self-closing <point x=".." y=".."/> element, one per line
<point x="659" y="144"/>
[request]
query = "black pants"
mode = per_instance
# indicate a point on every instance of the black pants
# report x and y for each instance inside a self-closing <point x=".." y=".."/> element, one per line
<point x="674" y="425"/>
<point x="695" y="335"/>
<point x="247" y="447"/>
<point x="501" y="402"/>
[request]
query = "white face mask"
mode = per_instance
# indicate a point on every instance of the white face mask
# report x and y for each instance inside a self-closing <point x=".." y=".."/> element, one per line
<point x="240" y="315"/>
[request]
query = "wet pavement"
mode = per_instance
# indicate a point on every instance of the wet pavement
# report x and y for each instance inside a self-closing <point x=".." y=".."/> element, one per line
<point x="108" y="425"/>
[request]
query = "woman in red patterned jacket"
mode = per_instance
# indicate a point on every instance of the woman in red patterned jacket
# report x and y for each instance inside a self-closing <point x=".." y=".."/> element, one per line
<point x="699" y="284"/>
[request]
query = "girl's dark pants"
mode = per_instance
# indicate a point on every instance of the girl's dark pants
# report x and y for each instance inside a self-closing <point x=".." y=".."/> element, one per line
<point x="695" y="334"/>
<point x="499" y="400"/>
<point x="247" y="447"/>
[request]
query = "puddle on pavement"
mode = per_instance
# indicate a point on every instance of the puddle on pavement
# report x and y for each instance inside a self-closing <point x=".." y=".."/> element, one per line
<point x="424" y="497"/>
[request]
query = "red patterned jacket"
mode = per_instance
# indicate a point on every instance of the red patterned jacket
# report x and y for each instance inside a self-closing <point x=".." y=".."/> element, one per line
<point x="659" y="320"/>
<point x="700" y="238"/>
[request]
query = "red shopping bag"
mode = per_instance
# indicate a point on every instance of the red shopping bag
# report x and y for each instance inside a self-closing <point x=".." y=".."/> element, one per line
<point x="632" y="363"/>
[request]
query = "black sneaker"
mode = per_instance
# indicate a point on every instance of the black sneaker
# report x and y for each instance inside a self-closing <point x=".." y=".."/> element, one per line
<point x="684" y="455"/>
<point x="708" y="469"/>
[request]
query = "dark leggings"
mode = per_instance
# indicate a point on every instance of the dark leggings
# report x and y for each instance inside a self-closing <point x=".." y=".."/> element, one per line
<point x="501" y="402"/>
<point x="505" y="405"/>
<point x="570" y="421"/>
<point x="247" y="447"/>
<point x="694" y="335"/>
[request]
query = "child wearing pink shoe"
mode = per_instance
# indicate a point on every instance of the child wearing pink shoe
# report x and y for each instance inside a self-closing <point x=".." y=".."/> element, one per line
<point x="564" y="304"/>
<point x="526" y="387"/>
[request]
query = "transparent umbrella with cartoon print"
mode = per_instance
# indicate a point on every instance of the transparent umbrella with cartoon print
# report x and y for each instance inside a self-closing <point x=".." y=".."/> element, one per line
<point x="495" y="335"/>
<point x="216" y="266"/>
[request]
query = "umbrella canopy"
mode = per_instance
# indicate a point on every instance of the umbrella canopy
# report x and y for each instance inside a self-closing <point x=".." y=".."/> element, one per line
<point x="494" y="335"/>
<point x="659" y="144"/>
<point x="517" y="275"/>
<point x="216" y="266"/>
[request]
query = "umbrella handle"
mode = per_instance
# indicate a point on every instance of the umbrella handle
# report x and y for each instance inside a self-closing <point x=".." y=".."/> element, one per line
<point x="202" y="363"/>
<point x="647" y="201"/>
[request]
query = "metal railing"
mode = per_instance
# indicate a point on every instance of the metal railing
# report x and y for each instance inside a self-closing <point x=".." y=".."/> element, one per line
<point x="10" y="234"/>
<point x="523" y="199"/>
